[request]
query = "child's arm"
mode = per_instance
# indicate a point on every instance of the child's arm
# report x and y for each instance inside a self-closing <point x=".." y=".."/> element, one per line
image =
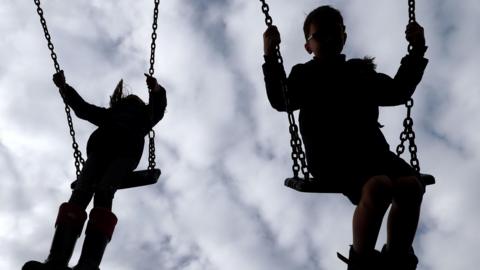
<point x="397" y="91"/>
<point x="157" y="100"/>
<point x="274" y="74"/>
<point x="82" y="109"/>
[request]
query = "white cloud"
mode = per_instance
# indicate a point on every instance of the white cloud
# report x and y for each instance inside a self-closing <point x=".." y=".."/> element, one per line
<point x="224" y="152"/>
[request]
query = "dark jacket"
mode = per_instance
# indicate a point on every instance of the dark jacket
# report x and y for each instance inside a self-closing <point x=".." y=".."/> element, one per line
<point x="339" y="105"/>
<point x="122" y="127"/>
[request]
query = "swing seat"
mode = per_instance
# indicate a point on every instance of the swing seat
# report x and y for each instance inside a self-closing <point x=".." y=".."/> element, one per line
<point x="312" y="185"/>
<point x="135" y="179"/>
<point x="316" y="186"/>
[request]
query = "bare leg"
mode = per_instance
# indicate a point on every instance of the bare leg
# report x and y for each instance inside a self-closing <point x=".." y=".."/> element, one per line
<point x="368" y="216"/>
<point x="404" y="214"/>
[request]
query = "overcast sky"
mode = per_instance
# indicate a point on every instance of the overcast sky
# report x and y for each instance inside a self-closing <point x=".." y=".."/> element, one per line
<point x="220" y="202"/>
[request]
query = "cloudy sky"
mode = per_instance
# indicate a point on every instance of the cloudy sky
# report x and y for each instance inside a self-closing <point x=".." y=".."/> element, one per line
<point x="220" y="202"/>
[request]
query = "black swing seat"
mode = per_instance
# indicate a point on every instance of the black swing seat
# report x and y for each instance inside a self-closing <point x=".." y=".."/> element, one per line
<point x="316" y="186"/>
<point x="135" y="179"/>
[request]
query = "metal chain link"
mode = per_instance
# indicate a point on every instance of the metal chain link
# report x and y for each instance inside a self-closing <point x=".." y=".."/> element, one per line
<point x="47" y="35"/>
<point x="411" y="17"/>
<point x="408" y="133"/>
<point x="153" y="46"/>
<point x="79" y="161"/>
<point x="298" y="154"/>
<point x="151" y="150"/>
<point x="151" y="70"/>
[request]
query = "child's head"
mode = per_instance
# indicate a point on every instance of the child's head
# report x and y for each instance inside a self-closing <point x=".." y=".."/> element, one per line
<point x="118" y="97"/>
<point x="324" y="32"/>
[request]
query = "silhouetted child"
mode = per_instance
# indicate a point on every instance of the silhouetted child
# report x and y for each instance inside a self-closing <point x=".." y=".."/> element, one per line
<point x="339" y="103"/>
<point x="114" y="150"/>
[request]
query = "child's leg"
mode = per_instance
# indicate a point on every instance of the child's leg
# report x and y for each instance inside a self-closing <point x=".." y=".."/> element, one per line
<point x="115" y="172"/>
<point x="102" y="221"/>
<point x="68" y="227"/>
<point x="367" y="219"/>
<point x="100" y="227"/>
<point x="91" y="172"/>
<point x="404" y="214"/>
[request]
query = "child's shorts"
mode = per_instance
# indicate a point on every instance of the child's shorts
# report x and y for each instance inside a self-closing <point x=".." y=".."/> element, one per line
<point x="356" y="173"/>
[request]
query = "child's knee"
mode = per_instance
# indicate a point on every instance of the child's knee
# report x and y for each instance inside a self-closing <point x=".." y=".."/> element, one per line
<point x="81" y="197"/>
<point x="408" y="189"/>
<point x="104" y="198"/>
<point x="377" y="192"/>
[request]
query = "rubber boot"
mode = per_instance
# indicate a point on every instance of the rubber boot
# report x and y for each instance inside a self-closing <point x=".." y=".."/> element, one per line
<point x="355" y="261"/>
<point x="68" y="227"/>
<point x="98" y="234"/>
<point x="407" y="261"/>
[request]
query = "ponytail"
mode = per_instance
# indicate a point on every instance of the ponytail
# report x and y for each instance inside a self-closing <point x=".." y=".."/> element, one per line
<point x="117" y="94"/>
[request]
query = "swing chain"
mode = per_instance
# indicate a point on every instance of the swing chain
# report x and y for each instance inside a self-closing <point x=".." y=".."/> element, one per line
<point x="151" y="70"/>
<point x="151" y="150"/>
<point x="47" y="35"/>
<point x="153" y="46"/>
<point x="411" y="10"/>
<point x="265" y="10"/>
<point x="295" y="141"/>
<point x="408" y="133"/>
<point x="79" y="161"/>
<point x="297" y="150"/>
<point x="411" y="18"/>
<point x="76" y="152"/>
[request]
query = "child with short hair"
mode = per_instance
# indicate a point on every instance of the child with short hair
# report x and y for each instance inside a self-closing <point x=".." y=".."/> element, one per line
<point x="339" y="103"/>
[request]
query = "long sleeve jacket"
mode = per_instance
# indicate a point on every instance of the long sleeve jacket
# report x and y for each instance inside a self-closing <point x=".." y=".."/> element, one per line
<point x="339" y="103"/>
<point x="122" y="127"/>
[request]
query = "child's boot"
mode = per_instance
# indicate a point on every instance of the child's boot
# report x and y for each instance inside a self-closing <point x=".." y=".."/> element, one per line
<point x="407" y="261"/>
<point x="355" y="261"/>
<point x="97" y="235"/>
<point x="68" y="227"/>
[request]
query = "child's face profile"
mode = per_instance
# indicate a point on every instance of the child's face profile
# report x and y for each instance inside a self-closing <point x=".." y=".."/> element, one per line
<point x="326" y="40"/>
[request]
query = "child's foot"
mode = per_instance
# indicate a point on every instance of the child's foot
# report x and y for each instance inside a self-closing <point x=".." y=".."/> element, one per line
<point x="355" y="261"/>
